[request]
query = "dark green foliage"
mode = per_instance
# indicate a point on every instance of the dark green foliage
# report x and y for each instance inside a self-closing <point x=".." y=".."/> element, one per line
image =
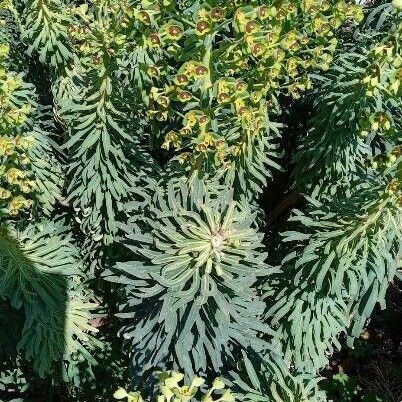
<point x="266" y="379"/>
<point x="337" y="157"/>
<point x="45" y="29"/>
<point x="35" y="266"/>
<point x="347" y="258"/>
<point x="357" y="110"/>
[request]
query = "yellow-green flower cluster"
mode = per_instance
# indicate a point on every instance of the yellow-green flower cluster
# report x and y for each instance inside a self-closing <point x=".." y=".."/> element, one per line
<point x="234" y="60"/>
<point x="98" y="32"/>
<point x="382" y="80"/>
<point x="104" y="29"/>
<point x="383" y="92"/>
<point x="390" y="160"/>
<point x="16" y="181"/>
<point x="385" y="161"/>
<point x="172" y="391"/>
<point x="394" y="189"/>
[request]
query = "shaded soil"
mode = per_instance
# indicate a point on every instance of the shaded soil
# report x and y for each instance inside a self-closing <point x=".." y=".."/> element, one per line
<point x="374" y="366"/>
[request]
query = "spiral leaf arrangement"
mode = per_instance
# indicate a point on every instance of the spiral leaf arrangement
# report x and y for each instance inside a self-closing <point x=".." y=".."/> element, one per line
<point x="196" y="259"/>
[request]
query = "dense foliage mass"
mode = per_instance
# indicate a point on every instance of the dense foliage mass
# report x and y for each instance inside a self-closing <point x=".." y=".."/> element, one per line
<point x="143" y="146"/>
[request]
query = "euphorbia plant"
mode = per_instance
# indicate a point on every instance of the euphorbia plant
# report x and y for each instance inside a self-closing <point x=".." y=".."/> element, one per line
<point x="136" y="139"/>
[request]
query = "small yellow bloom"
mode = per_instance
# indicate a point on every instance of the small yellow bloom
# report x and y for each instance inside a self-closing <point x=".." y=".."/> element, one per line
<point x="241" y="19"/>
<point x="24" y="159"/>
<point x="24" y="141"/>
<point x="18" y="203"/>
<point x="228" y="165"/>
<point x="208" y="139"/>
<point x="202" y="147"/>
<point x="220" y="156"/>
<point x="239" y="103"/>
<point x="6" y="146"/>
<point x="236" y="150"/>
<point x="13" y="175"/>
<point x="120" y="394"/>
<point x="183" y="157"/>
<point x="172" y="138"/>
<point x="27" y="186"/>
<point x="218" y="384"/>
<point x="4" y="194"/>
<point x="203" y="14"/>
<point x="223" y="86"/>
<point x="191" y="119"/>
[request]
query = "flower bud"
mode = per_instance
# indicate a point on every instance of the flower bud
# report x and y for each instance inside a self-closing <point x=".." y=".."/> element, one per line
<point x="216" y="14"/>
<point x="200" y="71"/>
<point x="174" y="32"/>
<point x="181" y="79"/>
<point x="202" y="27"/>
<point x="4" y="194"/>
<point x="143" y="16"/>
<point x="241" y="86"/>
<point x="154" y="39"/>
<point x="203" y="120"/>
<point x="223" y="97"/>
<point x="184" y="96"/>
<point x="252" y="27"/>
<point x="153" y="71"/>
<point x="197" y="381"/>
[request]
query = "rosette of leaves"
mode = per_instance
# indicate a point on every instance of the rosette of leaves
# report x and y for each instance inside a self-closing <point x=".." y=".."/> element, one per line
<point x="188" y="296"/>
<point x="216" y="98"/>
<point x="345" y="254"/>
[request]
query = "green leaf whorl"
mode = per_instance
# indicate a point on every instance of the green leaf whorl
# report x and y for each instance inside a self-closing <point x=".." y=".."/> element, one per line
<point x="196" y="256"/>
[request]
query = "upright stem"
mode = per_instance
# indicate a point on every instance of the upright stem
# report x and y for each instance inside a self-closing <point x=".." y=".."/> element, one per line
<point x="207" y="63"/>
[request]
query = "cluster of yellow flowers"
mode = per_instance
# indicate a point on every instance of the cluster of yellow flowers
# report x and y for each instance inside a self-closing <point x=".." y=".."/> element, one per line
<point x="383" y="80"/>
<point x="384" y="161"/>
<point x="223" y="64"/>
<point x="16" y="180"/>
<point x="97" y="33"/>
<point x="394" y="190"/>
<point x="171" y="391"/>
<point x="236" y="58"/>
